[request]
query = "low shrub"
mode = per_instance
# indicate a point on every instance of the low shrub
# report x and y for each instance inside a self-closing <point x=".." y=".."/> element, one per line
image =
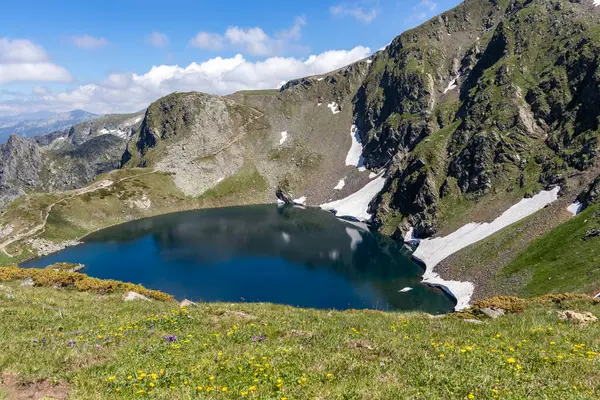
<point x="80" y="282"/>
<point x="510" y="304"/>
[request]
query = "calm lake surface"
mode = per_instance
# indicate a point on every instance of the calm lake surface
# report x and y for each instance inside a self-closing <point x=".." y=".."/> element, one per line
<point x="263" y="253"/>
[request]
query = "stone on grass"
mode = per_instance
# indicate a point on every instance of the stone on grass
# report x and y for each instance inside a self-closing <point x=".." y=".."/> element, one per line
<point x="131" y="296"/>
<point x="492" y="312"/>
<point x="473" y="321"/>
<point x="187" y="303"/>
<point x="577" y="318"/>
<point x="27" y="282"/>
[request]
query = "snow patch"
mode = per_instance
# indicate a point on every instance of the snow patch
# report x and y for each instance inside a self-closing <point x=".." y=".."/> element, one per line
<point x="354" y="156"/>
<point x="372" y="175"/>
<point x="340" y="185"/>
<point x="300" y="201"/>
<point x="355" y="237"/>
<point x="597" y="2"/>
<point x="335" y="108"/>
<point x="286" y="237"/>
<point x="369" y="61"/>
<point x="410" y="237"/>
<point x="576" y="207"/>
<point x="357" y="204"/>
<point x="406" y="289"/>
<point x="432" y="251"/>
<point x="320" y="79"/>
<point x="452" y="85"/>
<point x="284" y="136"/>
<point x="334" y="255"/>
<point x="220" y="179"/>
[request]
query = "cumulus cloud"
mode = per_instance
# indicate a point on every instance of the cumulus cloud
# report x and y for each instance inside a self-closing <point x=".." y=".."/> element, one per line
<point x="157" y="39"/>
<point x="129" y="92"/>
<point x="88" y="42"/>
<point x="207" y="41"/>
<point x="253" y="41"/>
<point x="423" y="9"/>
<point x="359" y="11"/>
<point x="24" y="61"/>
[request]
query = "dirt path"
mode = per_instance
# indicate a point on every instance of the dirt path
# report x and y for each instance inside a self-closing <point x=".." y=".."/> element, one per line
<point x="45" y="213"/>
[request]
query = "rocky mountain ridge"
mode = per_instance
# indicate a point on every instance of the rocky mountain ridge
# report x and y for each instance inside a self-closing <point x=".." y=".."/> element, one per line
<point x="30" y="125"/>
<point x="65" y="159"/>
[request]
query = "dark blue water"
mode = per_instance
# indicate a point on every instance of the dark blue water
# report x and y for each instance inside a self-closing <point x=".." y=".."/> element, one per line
<point x="263" y="253"/>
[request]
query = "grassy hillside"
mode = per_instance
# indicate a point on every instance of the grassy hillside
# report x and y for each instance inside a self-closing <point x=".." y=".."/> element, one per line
<point x="65" y="343"/>
<point x="562" y="260"/>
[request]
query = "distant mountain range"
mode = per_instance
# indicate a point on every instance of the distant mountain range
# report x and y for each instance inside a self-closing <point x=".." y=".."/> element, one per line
<point x="41" y="122"/>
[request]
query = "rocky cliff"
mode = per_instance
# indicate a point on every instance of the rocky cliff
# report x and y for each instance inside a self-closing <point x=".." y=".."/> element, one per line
<point x="65" y="159"/>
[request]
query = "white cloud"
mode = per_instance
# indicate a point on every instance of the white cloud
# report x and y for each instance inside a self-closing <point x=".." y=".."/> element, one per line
<point x="157" y="39"/>
<point x="20" y="50"/>
<point x="423" y="9"/>
<point x="88" y="42"/>
<point x="24" y="61"/>
<point x="356" y="10"/>
<point x="129" y="92"/>
<point x="207" y="41"/>
<point x="253" y="41"/>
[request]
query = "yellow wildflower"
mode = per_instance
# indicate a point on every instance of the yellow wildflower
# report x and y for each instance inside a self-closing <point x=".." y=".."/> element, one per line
<point x="511" y="360"/>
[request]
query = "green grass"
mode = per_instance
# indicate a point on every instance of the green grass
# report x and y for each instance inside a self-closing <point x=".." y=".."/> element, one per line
<point x="561" y="260"/>
<point x="117" y="350"/>
<point x="247" y="183"/>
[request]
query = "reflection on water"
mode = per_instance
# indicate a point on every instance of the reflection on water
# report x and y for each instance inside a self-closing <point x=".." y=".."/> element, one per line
<point x="262" y="253"/>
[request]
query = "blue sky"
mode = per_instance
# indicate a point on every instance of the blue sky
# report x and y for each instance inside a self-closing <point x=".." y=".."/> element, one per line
<point x="98" y="55"/>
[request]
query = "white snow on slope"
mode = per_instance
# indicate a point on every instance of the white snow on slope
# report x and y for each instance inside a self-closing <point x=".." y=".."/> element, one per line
<point x="334" y="107"/>
<point x="286" y="237"/>
<point x="372" y="175"/>
<point x="452" y="85"/>
<point x="320" y="79"/>
<point x="355" y="238"/>
<point x="354" y="156"/>
<point x="284" y="136"/>
<point x="406" y="289"/>
<point x="597" y="2"/>
<point x="115" y="132"/>
<point x="340" y="185"/>
<point x="410" y="237"/>
<point x="300" y="200"/>
<point x="575" y="208"/>
<point x="357" y="204"/>
<point x="432" y="251"/>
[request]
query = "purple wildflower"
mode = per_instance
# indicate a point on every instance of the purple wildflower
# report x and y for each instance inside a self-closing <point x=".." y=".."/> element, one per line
<point x="71" y="343"/>
<point x="170" y="338"/>
<point x="43" y="341"/>
<point x="34" y="341"/>
<point x="259" y="338"/>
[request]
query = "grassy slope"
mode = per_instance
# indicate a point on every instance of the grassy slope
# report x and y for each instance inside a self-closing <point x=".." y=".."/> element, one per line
<point x="561" y="260"/>
<point x="305" y="353"/>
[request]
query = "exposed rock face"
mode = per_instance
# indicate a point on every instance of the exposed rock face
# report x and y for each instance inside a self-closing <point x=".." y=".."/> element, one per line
<point x="490" y="100"/>
<point x="591" y="195"/>
<point x="20" y="167"/>
<point x="65" y="159"/>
